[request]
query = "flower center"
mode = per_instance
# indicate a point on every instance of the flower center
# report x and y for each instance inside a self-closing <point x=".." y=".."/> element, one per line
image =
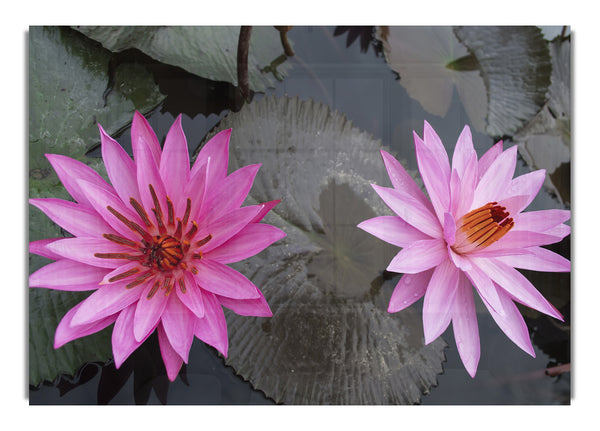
<point x="482" y="227"/>
<point x="161" y="250"/>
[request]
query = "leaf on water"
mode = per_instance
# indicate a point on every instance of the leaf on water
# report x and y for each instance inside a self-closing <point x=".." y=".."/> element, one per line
<point x="515" y="66"/>
<point x="67" y="76"/>
<point x="330" y="340"/>
<point x="206" y="51"/>
<point x="545" y="141"/>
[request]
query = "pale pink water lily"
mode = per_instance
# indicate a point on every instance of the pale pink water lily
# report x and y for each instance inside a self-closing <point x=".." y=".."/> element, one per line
<point x="471" y="233"/>
<point x="154" y="246"/>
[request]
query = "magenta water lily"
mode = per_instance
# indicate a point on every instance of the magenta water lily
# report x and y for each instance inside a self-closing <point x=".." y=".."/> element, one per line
<point x="472" y="232"/>
<point x="155" y="244"/>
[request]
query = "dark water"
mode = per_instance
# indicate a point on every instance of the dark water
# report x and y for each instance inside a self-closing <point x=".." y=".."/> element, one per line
<point x="361" y="85"/>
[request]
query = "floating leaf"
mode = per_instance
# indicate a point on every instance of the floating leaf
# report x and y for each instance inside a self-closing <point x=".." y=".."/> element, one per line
<point x="330" y="340"/>
<point x="206" y="51"/>
<point x="501" y="74"/>
<point x="545" y="142"/>
<point x="68" y="75"/>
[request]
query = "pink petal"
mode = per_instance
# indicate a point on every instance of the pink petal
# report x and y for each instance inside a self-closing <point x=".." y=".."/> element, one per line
<point x="392" y="230"/>
<point x="67" y="274"/>
<point x="229" y="194"/>
<point x="449" y="229"/>
<point x="538" y="259"/>
<point x="540" y="221"/>
<point x="143" y="139"/>
<point x="123" y="341"/>
<point x="192" y="298"/>
<point x="75" y="218"/>
<point x="226" y="227"/>
<point x="120" y="168"/>
<point x="101" y="199"/>
<point x="175" y="161"/>
<point x="148" y="311"/>
<point x="212" y="328"/>
<point x="217" y="149"/>
<point x="516" y="285"/>
<point x="410" y="210"/>
<point x="247" y="307"/>
<point x="528" y="185"/>
<point x="251" y="240"/>
<point x="195" y="190"/>
<point x="71" y="171"/>
<point x="121" y="270"/>
<point x="266" y="207"/>
<point x="67" y="331"/>
<point x="464" y="324"/>
<point x="401" y="180"/>
<point x="83" y="250"/>
<point x="560" y="231"/>
<point x="512" y="323"/>
<point x="170" y="357"/>
<point x="439" y="300"/>
<point x="106" y="301"/>
<point x="519" y="239"/>
<point x="435" y="145"/>
<point x="178" y="323"/>
<point x="434" y="177"/>
<point x="40" y="247"/>
<point x="419" y="256"/>
<point x="464" y="152"/>
<point x="485" y="287"/>
<point x="468" y="183"/>
<point x="223" y="280"/>
<point x="410" y="288"/>
<point x="148" y="175"/>
<point x="488" y="158"/>
<point x="496" y="179"/>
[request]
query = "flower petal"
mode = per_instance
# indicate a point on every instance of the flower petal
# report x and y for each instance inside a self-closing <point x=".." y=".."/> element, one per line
<point x="439" y="300"/>
<point x="175" y="161"/>
<point x="67" y="274"/>
<point x="515" y="283"/>
<point x="122" y="339"/>
<point x="106" y="301"/>
<point x="251" y="240"/>
<point x="70" y="171"/>
<point x="148" y="175"/>
<point x="401" y="180"/>
<point x="464" y="324"/>
<point x="227" y="226"/>
<point x="178" y="323"/>
<point x="212" y="328"/>
<point x="143" y="139"/>
<point x="519" y="239"/>
<point x="40" y="247"/>
<point x="77" y="219"/>
<point x="488" y="158"/>
<point x="192" y="297"/>
<point x="540" y="221"/>
<point x="528" y="185"/>
<point x="435" y="145"/>
<point x="223" y="280"/>
<point x="120" y="168"/>
<point x="266" y="207"/>
<point x="170" y="357"/>
<point x="409" y="289"/>
<point x="538" y="259"/>
<point x="247" y="307"/>
<point x="392" y="230"/>
<point x="148" y="310"/>
<point x="410" y="210"/>
<point x="83" y="250"/>
<point x="217" y="149"/>
<point x="67" y="331"/>
<point x="496" y="179"/>
<point x="512" y="323"/>
<point x="419" y="256"/>
<point x="485" y="287"/>
<point x="464" y="152"/>
<point x="434" y="177"/>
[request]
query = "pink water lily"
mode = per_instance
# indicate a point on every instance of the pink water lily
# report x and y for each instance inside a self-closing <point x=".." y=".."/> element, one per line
<point x="470" y="233"/>
<point x="154" y="246"/>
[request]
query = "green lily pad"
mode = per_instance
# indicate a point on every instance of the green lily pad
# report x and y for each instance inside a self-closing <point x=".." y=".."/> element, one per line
<point x="206" y="51"/>
<point x="68" y="75"/>
<point x="330" y="339"/>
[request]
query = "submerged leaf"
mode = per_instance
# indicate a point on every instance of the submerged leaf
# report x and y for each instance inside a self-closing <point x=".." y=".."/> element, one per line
<point x="206" y="51"/>
<point x="67" y="76"/>
<point x="330" y="340"/>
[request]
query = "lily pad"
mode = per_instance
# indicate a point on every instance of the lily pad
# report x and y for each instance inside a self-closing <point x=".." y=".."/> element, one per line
<point x="501" y="74"/>
<point x="545" y="141"/>
<point x="206" y="51"/>
<point x="331" y="339"/>
<point x="68" y="75"/>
